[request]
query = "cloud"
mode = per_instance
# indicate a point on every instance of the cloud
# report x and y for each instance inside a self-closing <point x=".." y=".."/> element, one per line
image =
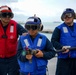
<point x="8" y="1"/>
<point x="46" y="9"/>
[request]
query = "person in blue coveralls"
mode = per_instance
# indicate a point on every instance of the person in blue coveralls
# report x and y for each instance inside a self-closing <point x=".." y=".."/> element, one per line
<point x="9" y="32"/>
<point x="64" y="37"/>
<point x="34" y="62"/>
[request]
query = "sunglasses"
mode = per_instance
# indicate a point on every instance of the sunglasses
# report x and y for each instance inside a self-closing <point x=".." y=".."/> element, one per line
<point x="5" y="14"/>
<point x="33" y="27"/>
<point x="67" y="15"/>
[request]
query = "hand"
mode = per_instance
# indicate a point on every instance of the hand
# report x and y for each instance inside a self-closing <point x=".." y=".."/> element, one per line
<point x="39" y="54"/>
<point x="29" y="56"/>
<point x="24" y="34"/>
<point x="65" y="48"/>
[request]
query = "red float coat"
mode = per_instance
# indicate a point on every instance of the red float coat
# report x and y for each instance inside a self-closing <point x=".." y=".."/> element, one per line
<point x="8" y="40"/>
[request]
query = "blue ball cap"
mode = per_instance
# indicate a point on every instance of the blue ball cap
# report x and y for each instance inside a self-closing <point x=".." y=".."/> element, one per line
<point x="33" y="21"/>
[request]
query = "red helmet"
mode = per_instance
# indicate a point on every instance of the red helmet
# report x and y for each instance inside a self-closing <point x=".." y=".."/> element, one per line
<point x="5" y="9"/>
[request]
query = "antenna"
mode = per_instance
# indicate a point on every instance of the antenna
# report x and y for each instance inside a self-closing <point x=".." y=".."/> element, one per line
<point x="34" y="15"/>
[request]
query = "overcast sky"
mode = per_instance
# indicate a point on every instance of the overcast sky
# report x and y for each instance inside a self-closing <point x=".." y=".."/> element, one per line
<point x="47" y="10"/>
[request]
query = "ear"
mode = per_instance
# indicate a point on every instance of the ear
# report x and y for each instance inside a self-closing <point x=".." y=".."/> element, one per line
<point x="41" y="27"/>
<point x="62" y="17"/>
<point x="75" y="16"/>
<point x="0" y="14"/>
<point x="12" y="15"/>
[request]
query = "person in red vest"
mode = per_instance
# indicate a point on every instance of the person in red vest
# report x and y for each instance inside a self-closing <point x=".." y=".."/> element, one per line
<point x="9" y="32"/>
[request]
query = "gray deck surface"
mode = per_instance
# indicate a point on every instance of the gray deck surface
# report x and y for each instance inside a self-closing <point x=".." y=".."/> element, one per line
<point x="52" y="66"/>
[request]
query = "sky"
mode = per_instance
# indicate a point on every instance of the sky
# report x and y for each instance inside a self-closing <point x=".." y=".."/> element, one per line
<point x="47" y="10"/>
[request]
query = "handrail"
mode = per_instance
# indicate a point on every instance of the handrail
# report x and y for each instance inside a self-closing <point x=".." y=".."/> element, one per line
<point x="62" y="50"/>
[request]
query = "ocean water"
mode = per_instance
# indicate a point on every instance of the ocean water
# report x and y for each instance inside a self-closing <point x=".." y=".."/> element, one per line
<point x="50" y="25"/>
<point x="48" y="35"/>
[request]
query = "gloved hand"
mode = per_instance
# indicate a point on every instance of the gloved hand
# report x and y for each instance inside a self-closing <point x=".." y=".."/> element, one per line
<point x="65" y="48"/>
<point x="39" y="53"/>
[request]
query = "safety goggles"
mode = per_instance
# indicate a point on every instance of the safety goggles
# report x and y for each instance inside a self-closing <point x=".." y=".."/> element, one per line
<point x="33" y="27"/>
<point x="67" y="15"/>
<point x="5" y="14"/>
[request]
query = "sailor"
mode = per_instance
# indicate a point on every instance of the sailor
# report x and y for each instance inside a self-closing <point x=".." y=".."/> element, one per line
<point x="64" y="36"/>
<point x="34" y="63"/>
<point x="9" y="32"/>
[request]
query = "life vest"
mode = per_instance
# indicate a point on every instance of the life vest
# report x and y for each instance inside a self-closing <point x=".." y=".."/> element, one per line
<point x="8" y="40"/>
<point x="37" y="63"/>
<point x="67" y="38"/>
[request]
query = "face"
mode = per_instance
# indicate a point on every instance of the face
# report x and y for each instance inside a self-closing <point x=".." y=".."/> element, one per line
<point x="33" y="33"/>
<point x="32" y="29"/>
<point x="6" y="17"/>
<point x="68" y="18"/>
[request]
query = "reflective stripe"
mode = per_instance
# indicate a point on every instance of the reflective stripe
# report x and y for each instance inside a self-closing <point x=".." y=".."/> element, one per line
<point x="26" y="42"/>
<point x="11" y="29"/>
<point x="65" y="29"/>
<point x="39" y="42"/>
<point x="4" y="8"/>
<point x="30" y="20"/>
